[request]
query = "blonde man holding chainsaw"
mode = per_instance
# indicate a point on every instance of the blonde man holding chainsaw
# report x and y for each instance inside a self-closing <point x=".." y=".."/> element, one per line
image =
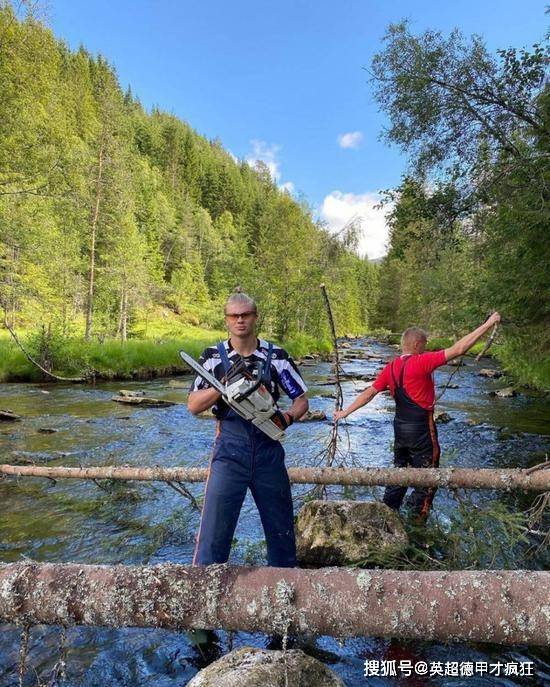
<point x="245" y="457"/>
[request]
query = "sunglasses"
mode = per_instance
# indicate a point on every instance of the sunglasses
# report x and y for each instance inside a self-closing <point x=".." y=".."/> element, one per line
<point x="233" y="317"/>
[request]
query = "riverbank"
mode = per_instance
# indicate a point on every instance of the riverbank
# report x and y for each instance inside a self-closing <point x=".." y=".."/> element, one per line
<point x="138" y="359"/>
<point x="142" y="359"/>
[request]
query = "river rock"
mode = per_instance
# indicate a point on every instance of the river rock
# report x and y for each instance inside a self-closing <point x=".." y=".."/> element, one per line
<point x="347" y="533"/>
<point x="442" y="417"/>
<point x="131" y="394"/>
<point x="143" y="401"/>
<point x="488" y="372"/>
<point x="313" y="416"/>
<point x="455" y="362"/>
<point x="9" y="416"/>
<point x="47" y="430"/>
<point x="449" y="386"/>
<point x="507" y="392"/>
<point x="344" y="344"/>
<point x="251" y="667"/>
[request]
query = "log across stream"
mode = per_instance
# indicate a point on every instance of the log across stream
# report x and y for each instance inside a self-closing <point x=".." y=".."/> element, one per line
<point x="146" y="523"/>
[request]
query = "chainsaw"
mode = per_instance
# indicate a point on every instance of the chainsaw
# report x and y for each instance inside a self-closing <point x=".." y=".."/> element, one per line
<point x="246" y="394"/>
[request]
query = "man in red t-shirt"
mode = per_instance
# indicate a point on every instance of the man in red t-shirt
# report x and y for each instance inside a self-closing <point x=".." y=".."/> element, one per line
<point x="410" y="381"/>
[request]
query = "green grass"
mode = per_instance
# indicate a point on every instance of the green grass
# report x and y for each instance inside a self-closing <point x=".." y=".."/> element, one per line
<point x="132" y="359"/>
<point x="110" y="359"/>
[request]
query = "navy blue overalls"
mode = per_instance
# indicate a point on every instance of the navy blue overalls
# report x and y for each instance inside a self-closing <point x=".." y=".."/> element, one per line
<point x="416" y="446"/>
<point x="244" y="457"/>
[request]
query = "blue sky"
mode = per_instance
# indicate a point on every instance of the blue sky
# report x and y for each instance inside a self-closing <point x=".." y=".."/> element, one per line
<point x="282" y="81"/>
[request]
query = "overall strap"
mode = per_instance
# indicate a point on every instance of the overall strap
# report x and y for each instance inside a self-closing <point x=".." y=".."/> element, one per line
<point x="403" y="370"/>
<point x="224" y="357"/>
<point x="266" y="372"/>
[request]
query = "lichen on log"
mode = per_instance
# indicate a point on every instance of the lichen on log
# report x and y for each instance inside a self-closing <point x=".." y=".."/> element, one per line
<point x="507" y="607"/>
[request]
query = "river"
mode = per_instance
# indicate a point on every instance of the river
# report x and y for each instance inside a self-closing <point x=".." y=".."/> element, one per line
<point x="151" y="523"/>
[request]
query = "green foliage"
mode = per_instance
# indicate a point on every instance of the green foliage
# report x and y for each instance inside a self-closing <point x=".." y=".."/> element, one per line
<point x="472" y="237"/>
<point x="491" y="537"/>
<point x="109" y="213"/>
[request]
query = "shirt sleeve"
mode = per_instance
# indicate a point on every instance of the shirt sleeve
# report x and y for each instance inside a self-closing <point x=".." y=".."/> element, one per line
<point x="290" y="380"/>
<point x="382" y="382"/>
<point x="432" y="359"/>
<point x="199" y="383"/>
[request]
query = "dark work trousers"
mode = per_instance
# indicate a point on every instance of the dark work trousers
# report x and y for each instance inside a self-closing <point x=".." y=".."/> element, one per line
<point x="244" y="457"/>
<point x="415" y="445"/>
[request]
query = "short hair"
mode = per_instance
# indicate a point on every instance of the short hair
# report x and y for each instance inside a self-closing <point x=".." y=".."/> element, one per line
<point x="242" y="298"/>
<point x="412" y="334"/>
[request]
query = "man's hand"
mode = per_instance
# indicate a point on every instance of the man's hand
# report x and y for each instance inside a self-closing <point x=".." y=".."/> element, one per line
<point x="199" y="401"/>
<point x="339" y="415"/>
<point x="463" y="346"/>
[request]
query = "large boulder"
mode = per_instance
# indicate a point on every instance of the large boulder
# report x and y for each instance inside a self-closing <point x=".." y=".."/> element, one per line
<point x="250" y="667"/>
<point x="347" y="533"/>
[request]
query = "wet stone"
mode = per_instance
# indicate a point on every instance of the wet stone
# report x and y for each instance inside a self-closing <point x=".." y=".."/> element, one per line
<point x="143" y="401"/>
<point x="507" y="392"/>
<point x="47" y="430"/>
<point x="490" y="373"/>
<point x="347" y="532"/>
<point x="251" y="667"/>
<point x="9" y="416"/>
<point x="441" y="417"/>
<point x="314" y="416"/>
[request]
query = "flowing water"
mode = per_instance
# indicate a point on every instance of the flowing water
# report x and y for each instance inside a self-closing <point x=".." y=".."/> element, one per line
<point x="150" y="523"/>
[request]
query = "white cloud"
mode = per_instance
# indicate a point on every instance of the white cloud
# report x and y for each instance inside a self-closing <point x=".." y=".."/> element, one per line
<point x="340" y="208"/>
<point x="287" y="186"/>
<point x="268" y="154"/>
<point x="352" y="139"/>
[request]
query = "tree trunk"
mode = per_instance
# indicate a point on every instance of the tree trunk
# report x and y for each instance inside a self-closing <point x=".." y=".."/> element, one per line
<point x="446" y="478"/>
<point x="507" y="607"/>
<point x="124" y="329"/>
<point x="95" y="218"/>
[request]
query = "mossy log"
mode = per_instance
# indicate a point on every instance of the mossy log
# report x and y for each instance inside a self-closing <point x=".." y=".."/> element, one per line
<point x="445" y="478"/>
<point x="506" y="607"/>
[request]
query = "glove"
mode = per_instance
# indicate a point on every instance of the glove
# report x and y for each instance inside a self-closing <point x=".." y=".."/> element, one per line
<point x="282" y="420"/>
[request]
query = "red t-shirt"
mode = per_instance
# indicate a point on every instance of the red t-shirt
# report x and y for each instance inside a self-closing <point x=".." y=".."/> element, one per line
<point x="417" y="380"/>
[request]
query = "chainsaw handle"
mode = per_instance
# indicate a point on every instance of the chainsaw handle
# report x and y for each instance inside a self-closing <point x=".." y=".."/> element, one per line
<point x="255" y="386"/>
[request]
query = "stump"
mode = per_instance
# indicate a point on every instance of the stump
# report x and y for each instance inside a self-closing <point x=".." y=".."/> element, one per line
<point x="347" y="533"/>
<point x="250" y="667"/>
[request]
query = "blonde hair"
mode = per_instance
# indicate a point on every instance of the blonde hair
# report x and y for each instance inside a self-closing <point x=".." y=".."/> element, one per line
<point x="242" y="298"/>
<point x="412" y="334"/>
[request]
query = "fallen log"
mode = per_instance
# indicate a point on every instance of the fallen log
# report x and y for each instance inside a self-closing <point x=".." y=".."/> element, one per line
<point x="507" y="607"/>
<point x="446" y="478"/>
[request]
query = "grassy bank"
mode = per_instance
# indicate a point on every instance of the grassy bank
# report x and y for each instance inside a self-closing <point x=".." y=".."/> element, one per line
<point x="133" y="359"/>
